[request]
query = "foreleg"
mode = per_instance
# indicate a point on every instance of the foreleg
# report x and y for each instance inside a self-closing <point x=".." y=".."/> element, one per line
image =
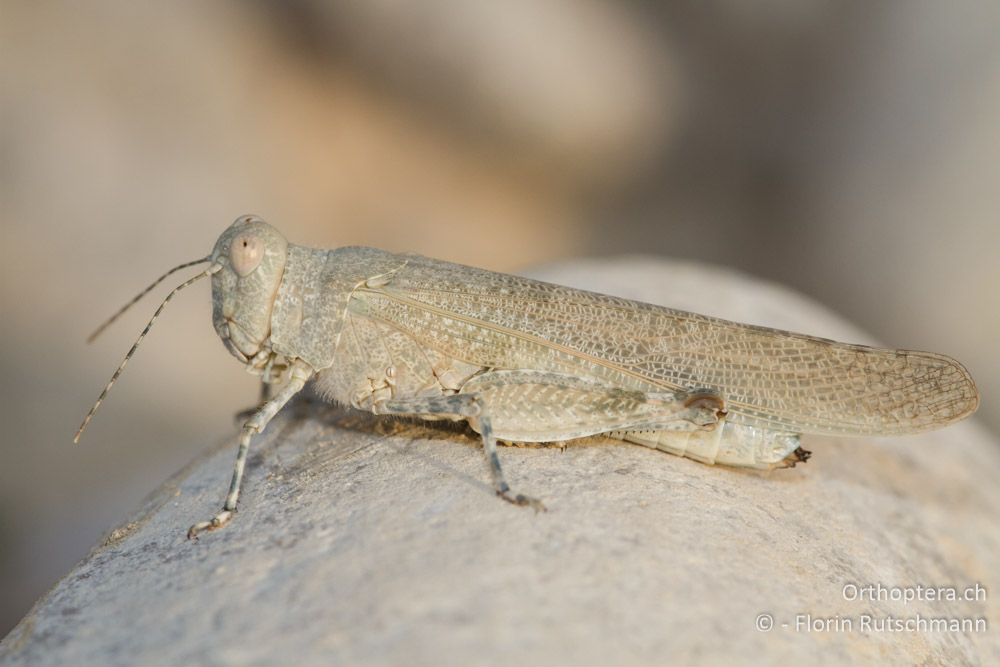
<point x="300" y="374"/>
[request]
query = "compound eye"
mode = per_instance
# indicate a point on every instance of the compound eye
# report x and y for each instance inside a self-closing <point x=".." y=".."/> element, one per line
<point x="245" y="254"/>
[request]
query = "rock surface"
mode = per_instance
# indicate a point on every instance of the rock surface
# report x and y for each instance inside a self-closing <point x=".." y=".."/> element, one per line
<point x="381" y="542"/>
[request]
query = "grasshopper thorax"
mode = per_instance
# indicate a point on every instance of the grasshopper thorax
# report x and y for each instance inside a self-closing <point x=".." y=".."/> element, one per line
<point x="249" y="261"/>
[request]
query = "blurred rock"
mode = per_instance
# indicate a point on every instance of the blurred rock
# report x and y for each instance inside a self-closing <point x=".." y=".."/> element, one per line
<point x="382" y="543"/>
<point x="585" y="92"/>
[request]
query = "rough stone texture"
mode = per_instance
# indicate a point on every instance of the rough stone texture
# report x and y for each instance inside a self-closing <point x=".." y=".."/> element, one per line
<point x="380" y="542"/>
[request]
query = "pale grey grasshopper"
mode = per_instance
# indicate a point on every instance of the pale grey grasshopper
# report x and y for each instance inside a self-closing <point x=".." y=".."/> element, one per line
<point x="528" y="361"/>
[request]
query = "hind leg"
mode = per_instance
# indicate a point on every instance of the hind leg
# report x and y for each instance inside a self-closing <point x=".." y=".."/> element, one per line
<point x="798" y="456"/>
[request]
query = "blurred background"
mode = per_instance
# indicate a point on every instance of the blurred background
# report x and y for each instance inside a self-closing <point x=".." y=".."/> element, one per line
<point x="849" y="149"/>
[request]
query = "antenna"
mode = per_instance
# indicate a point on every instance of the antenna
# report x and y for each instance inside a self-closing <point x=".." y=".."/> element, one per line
<point x="110" y="320"/>
<point x="207" y="272"/>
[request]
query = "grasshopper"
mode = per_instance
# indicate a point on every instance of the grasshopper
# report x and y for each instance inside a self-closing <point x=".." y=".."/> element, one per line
<point x="527" y="361"/>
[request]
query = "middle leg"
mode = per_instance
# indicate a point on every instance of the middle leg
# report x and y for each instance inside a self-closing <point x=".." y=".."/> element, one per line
<point x="473" y="409"/>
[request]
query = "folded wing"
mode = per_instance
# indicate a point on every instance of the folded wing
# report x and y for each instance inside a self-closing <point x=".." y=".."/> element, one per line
<point x="770" y="378"/>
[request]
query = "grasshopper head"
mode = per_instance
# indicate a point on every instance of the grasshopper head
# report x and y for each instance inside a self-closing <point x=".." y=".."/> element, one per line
<point x="251" y="254"/>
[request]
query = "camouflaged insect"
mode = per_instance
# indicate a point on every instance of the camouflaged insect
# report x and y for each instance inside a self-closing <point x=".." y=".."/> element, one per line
<point x="528" y="361"/>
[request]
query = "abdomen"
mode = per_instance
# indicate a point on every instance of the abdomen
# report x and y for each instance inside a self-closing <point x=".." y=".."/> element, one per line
<point x="728" y="444"/>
